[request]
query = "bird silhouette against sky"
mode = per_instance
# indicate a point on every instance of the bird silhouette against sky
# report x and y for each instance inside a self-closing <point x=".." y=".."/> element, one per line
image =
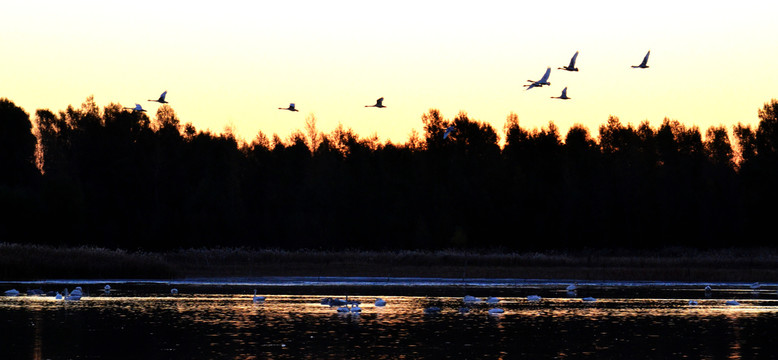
<point x="290" y="108"/>
<point x="563" y="96"/>
<point x="136" y="108"/>
<point x="644" y="64"/>
<point x="161" y="99"/>
<point x="541" y="82"/>
<point x="571" y="67"/>
<point x="448" y="131"/>
<point x="378" y="103"/>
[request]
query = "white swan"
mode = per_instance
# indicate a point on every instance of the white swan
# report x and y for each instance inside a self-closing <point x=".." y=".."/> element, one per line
<point x="161" y="99"/>
<point x="136" y="108"/>
<point x="541" y="82"/>
<point x="572" y="287"/>
<point x="496" y="311"/>
<point x="492" y="300"/>
<point x="432" y="310"/>
<point x="173" y="291"/>
<point x="643" y="64"/>
<point x="533" y="298"/>
<point x="378" y="103"/>
<point x="75" y="295"/>
<point x="732" y="303"/>
<point x="290" y="108"/>
<point x="380" y="302"/>
<point x="755" y="285"/>
<point x="692" y="302"/>
<point x="589" y="299"/>
<point x="12" y="292"/>
<point x="448" y="131"/>
<point x="471" y="299"/>
<point x="58" y="296"/>
<point x="257" y="299"/>
<point x="571" y="67"/>
<point x="563" y="96"/>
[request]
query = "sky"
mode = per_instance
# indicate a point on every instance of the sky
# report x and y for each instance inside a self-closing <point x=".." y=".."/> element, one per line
<point x="233" y="64"/>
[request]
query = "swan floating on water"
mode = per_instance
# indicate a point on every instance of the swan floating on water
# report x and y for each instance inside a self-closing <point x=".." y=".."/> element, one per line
<point x="692" y="302"/>
<point x="257" y="299"/>
<point x="533" y="298"/>
<point x="572" y="287"/>
<point x="380" y="302"/>
<point x="471" y="299"/>
<point x="432" y="310"/>
<point x="173" y="291"/>
<point x="589" y="299"/>
<point x="732" y="303"/>
<point x="492" y="300"/>
<point x="12" y="292"/>
<point x="496" y="311"/>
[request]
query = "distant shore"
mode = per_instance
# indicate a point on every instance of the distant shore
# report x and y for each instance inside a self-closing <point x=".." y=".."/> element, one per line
<point x="34" y="262"/>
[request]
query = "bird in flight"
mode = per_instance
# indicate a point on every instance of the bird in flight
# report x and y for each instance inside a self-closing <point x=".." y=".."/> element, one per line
<point x="448" y="131"/>
<point x="541" y="82"/>
<point x="378" y="103"/>
<point x="563" y="96"/>
<point x="644" y="64"/>
<point x="290" y="108"/>
<point x="161" y="99"/>
<point x="136" y="108"/>
<point x="571" y="67"/>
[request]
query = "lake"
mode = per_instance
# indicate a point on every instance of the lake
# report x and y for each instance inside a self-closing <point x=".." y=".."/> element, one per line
<point x="217" y="319"/>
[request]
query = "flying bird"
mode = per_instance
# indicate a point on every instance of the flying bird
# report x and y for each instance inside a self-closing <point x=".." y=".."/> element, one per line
<point x="290" y="108"/>
<point x="563" y="96"/>
<point x="161" y="99"/>
<point x="571" y="67"/>
<point x="378" y="103"/>
<point x="541" y="82"/>
<point x="448" y="131"/>
<point x="136" y="108"/>
<point x="643" y="64"/>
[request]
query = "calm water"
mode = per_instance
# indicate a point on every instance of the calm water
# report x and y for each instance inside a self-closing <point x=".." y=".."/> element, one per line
<point x="219" y="321"/>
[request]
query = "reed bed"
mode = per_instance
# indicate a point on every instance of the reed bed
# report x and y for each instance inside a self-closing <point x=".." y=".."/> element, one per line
<point x="21" y="262"/>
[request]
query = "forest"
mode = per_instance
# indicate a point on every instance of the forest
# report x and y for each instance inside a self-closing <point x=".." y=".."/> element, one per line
<point x="119" y="179"/>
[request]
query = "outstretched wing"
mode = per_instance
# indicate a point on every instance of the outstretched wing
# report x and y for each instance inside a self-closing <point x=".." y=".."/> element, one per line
<point x="379" y="102"/>
<point x="572" y="61"/>
<point x="545" y="76"/>
<point x="564" y="93"/>
<point x="645" y="59"/>
<point x="162" y="97"/>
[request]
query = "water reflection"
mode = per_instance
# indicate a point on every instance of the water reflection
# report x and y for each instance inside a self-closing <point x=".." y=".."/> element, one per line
<point x="195" y="325"/>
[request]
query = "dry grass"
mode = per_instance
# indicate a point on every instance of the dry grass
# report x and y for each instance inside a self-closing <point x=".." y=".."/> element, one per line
<point x="19" y="262"/>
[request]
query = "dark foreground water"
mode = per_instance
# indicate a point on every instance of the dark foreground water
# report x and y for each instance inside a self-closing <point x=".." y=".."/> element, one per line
<point x="219" y="321"/>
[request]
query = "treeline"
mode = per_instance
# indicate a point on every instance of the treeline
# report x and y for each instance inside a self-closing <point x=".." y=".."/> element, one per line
<point x="119" y="179"/>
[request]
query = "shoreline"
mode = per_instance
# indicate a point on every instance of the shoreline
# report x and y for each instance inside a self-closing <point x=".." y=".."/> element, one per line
<point x="35" y="262"/>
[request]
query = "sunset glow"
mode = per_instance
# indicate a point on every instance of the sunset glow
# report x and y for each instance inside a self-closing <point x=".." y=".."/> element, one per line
<point x="229" y="64"/>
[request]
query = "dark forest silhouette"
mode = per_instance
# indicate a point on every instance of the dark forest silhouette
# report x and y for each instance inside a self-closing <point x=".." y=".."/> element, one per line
<point x="119" y="179"/>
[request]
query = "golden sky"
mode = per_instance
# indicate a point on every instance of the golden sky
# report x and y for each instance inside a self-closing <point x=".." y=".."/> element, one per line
<point x="230" y="63"/>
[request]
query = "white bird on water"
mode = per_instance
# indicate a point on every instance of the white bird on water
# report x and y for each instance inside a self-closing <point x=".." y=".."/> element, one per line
<point x="644" y="64"/>
<point x="257" y="299"/>
<point x="380" y="302"/>
<point x="541" y="82"/>
<point x="378" y="103"/>
<point x="533" y="298"/>
<point x="161" y="99"/>
<point x="12" y="292"/>
<point x="571" y="67"/>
